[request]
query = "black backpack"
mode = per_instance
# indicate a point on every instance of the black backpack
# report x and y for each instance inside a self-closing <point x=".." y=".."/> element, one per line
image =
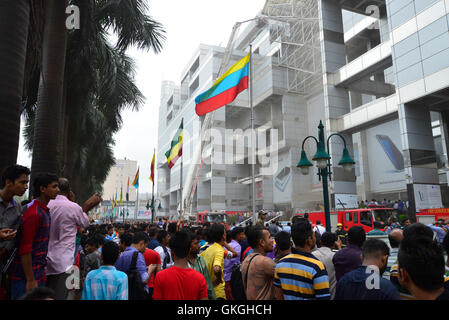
<point x="136" y="288"/>
<point x="237" y="288"/>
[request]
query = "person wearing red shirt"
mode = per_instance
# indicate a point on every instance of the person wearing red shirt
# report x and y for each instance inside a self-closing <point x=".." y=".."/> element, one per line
<point x="152" y="258"/>
<point x="180" y="282"/>
<point x="28" y="267"/>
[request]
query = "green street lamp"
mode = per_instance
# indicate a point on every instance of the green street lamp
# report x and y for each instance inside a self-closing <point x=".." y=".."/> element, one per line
<point x="322" y="159"/>
<point x="153" y="211"/>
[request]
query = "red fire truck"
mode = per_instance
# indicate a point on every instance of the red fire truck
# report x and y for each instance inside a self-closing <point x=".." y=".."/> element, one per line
<point x="365" y="217"/>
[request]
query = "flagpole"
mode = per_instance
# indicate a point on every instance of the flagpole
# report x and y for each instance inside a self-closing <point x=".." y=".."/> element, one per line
<point x="182" y="162"/>
<point x="252" y="133"/>
<point x="152" y="198"/>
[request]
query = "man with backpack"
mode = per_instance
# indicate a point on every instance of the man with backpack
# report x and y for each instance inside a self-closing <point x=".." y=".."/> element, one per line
<point x="132" y="262"/>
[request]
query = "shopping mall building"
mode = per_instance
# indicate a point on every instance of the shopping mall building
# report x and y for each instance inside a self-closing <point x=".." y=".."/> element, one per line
<point x="377" y="72"/>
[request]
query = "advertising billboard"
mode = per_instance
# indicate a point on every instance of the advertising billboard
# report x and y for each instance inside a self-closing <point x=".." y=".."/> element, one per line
<point x="385" y="159"/>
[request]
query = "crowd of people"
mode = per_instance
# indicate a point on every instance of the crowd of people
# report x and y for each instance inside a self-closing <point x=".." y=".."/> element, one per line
<point x="49" y="249"/>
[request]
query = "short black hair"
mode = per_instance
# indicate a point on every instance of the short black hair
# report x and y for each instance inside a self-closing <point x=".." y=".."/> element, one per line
<point x="180" y="244"/>
<point x="140" y="236"/>
<point x="216" y="232"/>
<point x="301" y="231"/>
<point x="404" y="219"/>
<point x="282" y="239"/>
<point x="418" y="230"/>
<point x="254" y="235"/>
<point x="375" y="248"/>
<point x="100" y="238"/>
<point x="64" y="185"/>
<point x="42" y="180"/>
<point x="161" y="235"/>
<point x="110" y="252"/>
<point x="356" y="235"/>
<point x="153" y="231"/>
<point x="445" y="244"/>
<point x="328" y="239"/>
<point x="126" y="239"/>
<point x="172" y="227"/>
<point x="39" y="293"/>
<point x="423" y="260"/>
<point x="393" y="242"/>
<point x="92" y="241"/>
<point x="12" y="173"/>
<point x="236" y="231"/>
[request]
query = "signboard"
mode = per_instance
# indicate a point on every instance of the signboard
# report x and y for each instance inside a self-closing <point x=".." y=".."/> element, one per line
<point x="385" y="159"/>
<point x="346" y="201"/>
<point x="427" y="196"/>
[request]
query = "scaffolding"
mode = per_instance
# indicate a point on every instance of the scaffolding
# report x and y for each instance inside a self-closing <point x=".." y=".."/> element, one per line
<point x="298" y="33"/>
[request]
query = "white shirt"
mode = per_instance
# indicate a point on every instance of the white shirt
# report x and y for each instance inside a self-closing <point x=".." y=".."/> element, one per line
<point x="161" y="252"/>
<point x="325" y="255"/>
<point x="320" y="229"/>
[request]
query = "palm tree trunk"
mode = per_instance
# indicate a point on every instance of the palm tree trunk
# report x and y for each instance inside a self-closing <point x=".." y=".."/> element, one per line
<point x="14" y="23"/>
<point x="51" y="87"/>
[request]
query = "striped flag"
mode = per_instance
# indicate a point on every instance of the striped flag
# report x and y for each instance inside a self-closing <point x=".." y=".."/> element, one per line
<point x="135" y="183"/>
<point x="225" y="89"/>
<point x="176" y="147"/>
<point x="152" y="167"/>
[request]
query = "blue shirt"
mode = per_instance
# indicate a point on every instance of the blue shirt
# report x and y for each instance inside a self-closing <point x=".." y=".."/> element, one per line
<point x="353" y="286"/>
<point x="105" y="283"/>
<point x="124" y="263"/>
<point x="153" y="244"/>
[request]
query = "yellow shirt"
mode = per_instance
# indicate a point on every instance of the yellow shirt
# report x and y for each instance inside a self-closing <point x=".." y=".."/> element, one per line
<point x="214" y="256"/>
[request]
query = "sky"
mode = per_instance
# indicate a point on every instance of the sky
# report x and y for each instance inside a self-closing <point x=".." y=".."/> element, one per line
<point x="187" y="24"/>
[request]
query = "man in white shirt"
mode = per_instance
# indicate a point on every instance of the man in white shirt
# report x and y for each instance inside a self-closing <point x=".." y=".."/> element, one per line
<point x="164" y="251"/>
<point x="330" y="244"/>
<point x="319" y="228"/>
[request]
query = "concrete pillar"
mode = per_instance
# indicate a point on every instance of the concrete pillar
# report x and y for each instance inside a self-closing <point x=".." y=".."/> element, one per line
<point x="418" y="149"/>
<point x="336" y="100"/>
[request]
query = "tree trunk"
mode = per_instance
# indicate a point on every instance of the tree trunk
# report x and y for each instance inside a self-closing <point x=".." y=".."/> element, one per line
<point x="51" y="86"/>
<point x="14" y="23"/>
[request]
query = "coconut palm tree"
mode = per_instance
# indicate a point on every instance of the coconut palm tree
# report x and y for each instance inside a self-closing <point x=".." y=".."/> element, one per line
<point x="98" y="85"/>
<point x="14" y="22"/>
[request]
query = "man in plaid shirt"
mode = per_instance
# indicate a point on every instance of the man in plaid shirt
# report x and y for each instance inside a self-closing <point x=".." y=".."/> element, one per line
<point x="28" y="267"/>
<point x="106" y="283"/>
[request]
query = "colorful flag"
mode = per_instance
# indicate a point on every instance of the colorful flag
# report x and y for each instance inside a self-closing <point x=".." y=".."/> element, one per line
<point x="152" y="167"/>
<point x="225" y="89"/>
<point x="121" y="196"/>
<point x="176" y="147"/>
<point x="135" y="183"/>
<point x="127" y="191"/>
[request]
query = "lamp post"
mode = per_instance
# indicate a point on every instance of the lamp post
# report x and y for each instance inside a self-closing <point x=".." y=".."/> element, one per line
<point x="153" y="211"/>
<point x="323" y="163"/>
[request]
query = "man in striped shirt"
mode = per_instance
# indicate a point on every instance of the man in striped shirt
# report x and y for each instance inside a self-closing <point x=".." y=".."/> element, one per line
<point x="300" y="275"/>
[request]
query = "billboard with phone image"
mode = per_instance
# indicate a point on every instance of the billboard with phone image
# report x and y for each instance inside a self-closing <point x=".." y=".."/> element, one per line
<point x="385" y="158"/>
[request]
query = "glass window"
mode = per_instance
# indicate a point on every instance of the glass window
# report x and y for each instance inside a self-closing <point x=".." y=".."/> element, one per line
<point x="383" y="215"/>
<point x="408" y="59"/>
<point x="403" y="15"/>
<point x="406" y="45"/>
<point x="356" y="217"/>
<point x="435" y="63"/>
<point x="420" y="5"/>
<point x="432" y="30"/>
<point x="410" y="74"/>
<point x="348" y="216"/>
<point x="366" y="218"/>
<point x="395" y="5"/>
<point x="434" y="46"/>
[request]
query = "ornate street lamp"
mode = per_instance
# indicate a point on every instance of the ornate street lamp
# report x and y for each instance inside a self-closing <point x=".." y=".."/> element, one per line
<point x="322" y="160"/>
